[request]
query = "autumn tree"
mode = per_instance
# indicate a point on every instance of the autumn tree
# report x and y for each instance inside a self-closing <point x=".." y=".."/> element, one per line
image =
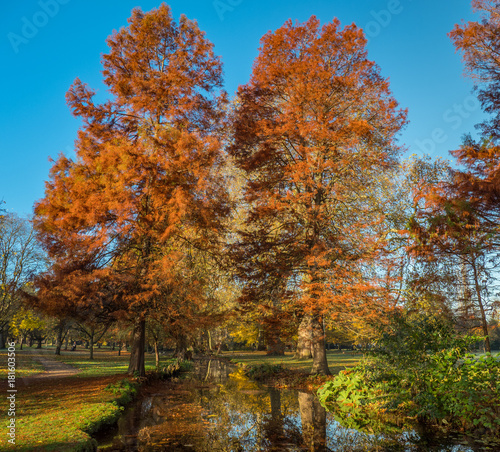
<point x="145" y="179"/>
<point x="464" y="210"/>
<point x="479" y="43"/>
<point x="312" y="127"/>
<point x="479" y="179"/>
<point x="452" y="230"/>
<point x="26" y="323"/>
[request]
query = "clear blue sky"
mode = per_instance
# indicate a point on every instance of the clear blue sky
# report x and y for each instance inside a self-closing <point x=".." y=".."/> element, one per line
<point x="46" y="44"/>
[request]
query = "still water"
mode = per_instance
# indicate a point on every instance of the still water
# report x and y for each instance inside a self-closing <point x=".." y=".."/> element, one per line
<point x="218" y="409"/>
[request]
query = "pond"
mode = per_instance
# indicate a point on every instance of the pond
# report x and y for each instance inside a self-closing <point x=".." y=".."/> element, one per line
<point x="217" y="408"/>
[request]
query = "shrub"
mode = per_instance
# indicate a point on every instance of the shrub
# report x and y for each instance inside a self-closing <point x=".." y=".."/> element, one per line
<point x="421" y="369"/>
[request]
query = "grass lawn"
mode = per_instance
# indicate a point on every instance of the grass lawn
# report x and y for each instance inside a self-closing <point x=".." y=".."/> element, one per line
<point x="105" y="362"/>
<point x="25" y="364"/>
<point x="59" y="415"/>
<point x="337" y="361"/>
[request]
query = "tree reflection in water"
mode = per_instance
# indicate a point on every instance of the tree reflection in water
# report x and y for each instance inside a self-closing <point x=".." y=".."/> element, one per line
<point x="216" y="410"/>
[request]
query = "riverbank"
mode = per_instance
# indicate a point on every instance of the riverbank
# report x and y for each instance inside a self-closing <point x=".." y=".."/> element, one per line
<point x="62" y="401"/>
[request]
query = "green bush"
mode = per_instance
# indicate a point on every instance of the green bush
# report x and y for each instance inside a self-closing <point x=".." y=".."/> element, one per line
<point x="125" y="389"/>
<point x="263" y="371"/>
<point x="421" y="369"/>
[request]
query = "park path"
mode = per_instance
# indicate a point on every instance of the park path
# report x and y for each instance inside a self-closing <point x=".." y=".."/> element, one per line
<point x="52" y="369"/>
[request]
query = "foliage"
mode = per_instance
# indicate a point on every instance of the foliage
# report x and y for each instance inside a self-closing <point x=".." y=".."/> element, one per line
<point x="421" y="371"/>
<point x="263" y="371"/>
<point x="20" y="257"/>
<point x="313" y="128"/>
<point x="145" y="189"/>
<point x="26" y="321"/>
<point x="124" y="389"/>
<point x="356" y="402"/>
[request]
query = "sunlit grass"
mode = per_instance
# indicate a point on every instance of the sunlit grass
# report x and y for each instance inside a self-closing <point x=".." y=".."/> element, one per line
<point x="25" y="364"/>
<point x="337" y="361"/>
<point x="60" y="415"/>
<point x="105" y="362"/>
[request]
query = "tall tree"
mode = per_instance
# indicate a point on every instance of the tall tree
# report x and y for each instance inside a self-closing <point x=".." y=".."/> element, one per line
<point x="479" y="43"/>
<point x="145" y="181"/>
<point x="312" y="128"/>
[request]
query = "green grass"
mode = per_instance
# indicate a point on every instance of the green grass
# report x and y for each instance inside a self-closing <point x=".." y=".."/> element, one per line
<point x="105" y="362"/>
<point x="25" y="364"/>
<point x="61" y="415"/>
<point x="337" y="361"/>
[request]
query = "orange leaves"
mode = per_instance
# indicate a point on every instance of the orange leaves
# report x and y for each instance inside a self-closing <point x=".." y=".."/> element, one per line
<point x="312" y="129"/>
<point x="121" y="221"/>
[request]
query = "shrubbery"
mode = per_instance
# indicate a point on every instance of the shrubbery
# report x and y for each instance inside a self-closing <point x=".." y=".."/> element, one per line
<point x="421" y="370"/>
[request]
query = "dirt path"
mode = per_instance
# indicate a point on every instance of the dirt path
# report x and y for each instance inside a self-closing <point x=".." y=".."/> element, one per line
<point x="53" y="369"/>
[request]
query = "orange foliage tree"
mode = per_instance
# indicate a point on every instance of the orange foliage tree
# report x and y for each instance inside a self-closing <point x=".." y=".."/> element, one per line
<point x="462" y="213"/>
<point x="479" y="43"/>
<point x="312" y="128"/>
<point x="145" y="186"/>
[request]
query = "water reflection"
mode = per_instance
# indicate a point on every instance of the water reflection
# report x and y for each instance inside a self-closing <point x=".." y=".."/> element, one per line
<point x="221" y="410"/>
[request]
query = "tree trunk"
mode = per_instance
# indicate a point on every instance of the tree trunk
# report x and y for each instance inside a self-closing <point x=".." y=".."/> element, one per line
<point x="261" y="343"/>
<point x="304" y="341"/>
<point x="157" y="355"/>
<point x="59" y="338"/>
<point x="275" y="346"/>
<point x="484" y="322"/>
<point x="66" y="342"/>
<point x="180" y="347"/>
<point x="39" y="345"/>
<point x="119" y="348"/>
<point x="209" y="341"/>
<point x="91" y="342"/>
<point x="320" y="364"/>
<point x="136" y="364"/>
<point x="2" y="339"/>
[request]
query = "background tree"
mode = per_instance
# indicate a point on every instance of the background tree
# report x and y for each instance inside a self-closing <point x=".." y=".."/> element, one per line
<point x="20" y="259"/>
<point x="146" y="179"/>
<point x="452" y="229"/>
<point x="479" y="43"/>
<point x="313" y="126"/>
<point x="27" y="324"/>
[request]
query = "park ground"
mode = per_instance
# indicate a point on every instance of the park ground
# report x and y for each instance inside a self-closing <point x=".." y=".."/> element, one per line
<point x="61" y="401"/>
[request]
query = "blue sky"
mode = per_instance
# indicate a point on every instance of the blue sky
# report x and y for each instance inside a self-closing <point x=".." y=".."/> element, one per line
<point x="46" y="44"/>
